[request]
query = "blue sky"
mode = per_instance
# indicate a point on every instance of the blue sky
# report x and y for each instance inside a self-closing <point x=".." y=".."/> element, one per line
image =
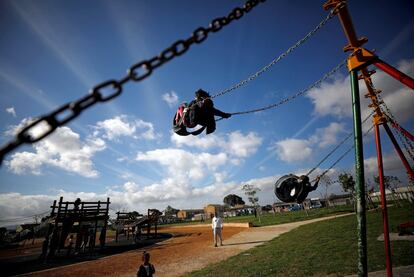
<point x="53" y="52"/>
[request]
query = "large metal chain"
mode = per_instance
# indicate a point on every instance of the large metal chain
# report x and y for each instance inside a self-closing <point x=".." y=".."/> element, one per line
<point x="337" y="146"/>
<point x="111" y="89"/>
<point x="280" y="57"/>
<point x="300" y="93"/>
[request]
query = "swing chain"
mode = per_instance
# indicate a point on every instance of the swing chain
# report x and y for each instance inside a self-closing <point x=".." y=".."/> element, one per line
<point x="409" y="148"/>
<point x="113" y="88"/>
<point x="337" y="146"/>
<point x="300" y="93"/>
<point x="344" y="154"/>
<point x="279" y="58"/>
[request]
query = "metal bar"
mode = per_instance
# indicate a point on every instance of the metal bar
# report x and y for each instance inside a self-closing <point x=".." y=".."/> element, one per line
<point x="383" y="203"/>
<point x="400" y="153"/>
<point x="395" y="73"/>
<point x="360" y="180"/>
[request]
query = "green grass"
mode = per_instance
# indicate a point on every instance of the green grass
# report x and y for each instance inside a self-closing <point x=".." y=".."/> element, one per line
<point x="278" y="218"/>
<point x="320" y="249"/>
<point x="286" y="217"/>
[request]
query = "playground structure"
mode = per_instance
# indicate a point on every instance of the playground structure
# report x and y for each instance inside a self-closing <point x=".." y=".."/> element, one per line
<point x="132" y="226"/>
<point x="82" y="218"/>
<point x="358" y="61"/>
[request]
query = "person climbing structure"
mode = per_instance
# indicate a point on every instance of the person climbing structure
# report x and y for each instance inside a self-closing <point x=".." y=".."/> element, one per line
<point x="200" y="111"/>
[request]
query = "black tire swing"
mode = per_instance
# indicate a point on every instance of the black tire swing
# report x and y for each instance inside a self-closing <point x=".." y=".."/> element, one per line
<point x="293" y="189"/>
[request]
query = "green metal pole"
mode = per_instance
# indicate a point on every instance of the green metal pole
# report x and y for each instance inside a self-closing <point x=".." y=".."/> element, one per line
<point x="360" y="180"/>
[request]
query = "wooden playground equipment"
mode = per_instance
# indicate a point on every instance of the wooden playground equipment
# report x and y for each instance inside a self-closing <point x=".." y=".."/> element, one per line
<point x="82" y="218"/>
<point x="132" y="226"/>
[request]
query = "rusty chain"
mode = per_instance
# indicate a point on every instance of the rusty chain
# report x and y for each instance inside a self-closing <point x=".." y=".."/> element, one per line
<point x="136" y="72"/>
<point x="409" y="148"/>
<point x="279" y="58"/>
<point x="300" y="93"/>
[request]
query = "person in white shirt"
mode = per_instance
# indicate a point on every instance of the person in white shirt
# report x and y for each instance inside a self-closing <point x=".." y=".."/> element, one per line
<point x="217" y="226"/>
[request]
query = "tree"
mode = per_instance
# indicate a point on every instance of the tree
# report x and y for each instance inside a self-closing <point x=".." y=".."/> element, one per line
<point x="348" y="184"/>
<point x="390" y="182"/>
<point x="233" y="200"/>
<point x="325" y="182"/>
<point x="251" y="191"/>
<point x="134" y="215"/>
<point x="170" y="211"/>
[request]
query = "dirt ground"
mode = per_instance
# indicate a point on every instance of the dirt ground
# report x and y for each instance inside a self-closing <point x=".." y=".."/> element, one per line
<point x="189" y="249"/>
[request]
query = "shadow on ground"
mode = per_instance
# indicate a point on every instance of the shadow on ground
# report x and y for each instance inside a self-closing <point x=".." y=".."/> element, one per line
<point x="30" y="263"/>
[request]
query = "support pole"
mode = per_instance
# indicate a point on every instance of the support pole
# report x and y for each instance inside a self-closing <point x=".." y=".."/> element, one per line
<point x="395" y="73"/>
<point x="400" y="153"/>
<point x="383" y="202"/>
<point x="360" y="180"/>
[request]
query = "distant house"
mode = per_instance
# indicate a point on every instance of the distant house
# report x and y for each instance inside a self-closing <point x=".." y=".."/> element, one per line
<point x="30" y="227"/>
<point x="400" y="193"/>
<point x="189" y="213"/>
<point x="340" y="200"/>
<point x="211" y="209"/>
<point x="282" y="206"/>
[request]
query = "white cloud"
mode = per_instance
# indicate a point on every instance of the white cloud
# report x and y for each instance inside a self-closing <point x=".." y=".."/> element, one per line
<point x="326" y="137"/>
<point x="335" y="98"/>
<point x="184" y="164"/>
<point x="236" y="144"/>
<point x="171" y="98"/>
<point x="296" y="150"/>
<point x="62" y="149"/>
<point x="392" y="165"/>
<point x="332" y="98"/>
<point x="242" y="146"/>
<point x="124" y="126"/>
<point x="11" y="111"/>
<point x="201" y="142"/>
<point x="293" y="150"/>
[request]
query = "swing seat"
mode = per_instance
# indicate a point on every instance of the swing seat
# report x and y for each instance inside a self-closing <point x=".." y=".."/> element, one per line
<point x="287" y="188"/>
<point x="293" y="189"/>
<point x="185" y="118"/>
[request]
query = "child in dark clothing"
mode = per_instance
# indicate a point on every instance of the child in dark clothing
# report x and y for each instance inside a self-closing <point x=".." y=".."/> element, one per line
<point x="146" y="269"/>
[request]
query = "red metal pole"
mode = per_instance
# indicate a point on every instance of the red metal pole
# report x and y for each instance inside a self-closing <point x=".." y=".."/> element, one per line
<point x="395" y="73"/>
<point x="383" y="202"/>
<point x="405" y="132"/>
<point x="400" y="153"/>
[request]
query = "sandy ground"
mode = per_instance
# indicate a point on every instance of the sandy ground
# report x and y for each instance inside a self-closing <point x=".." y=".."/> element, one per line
<point x="189" y="249"/>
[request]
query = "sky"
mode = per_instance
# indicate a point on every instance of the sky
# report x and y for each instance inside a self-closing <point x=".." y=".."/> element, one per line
<point x="54" y="52"/>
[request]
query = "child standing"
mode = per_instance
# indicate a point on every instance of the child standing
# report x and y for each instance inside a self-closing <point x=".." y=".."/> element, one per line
<point x="146" y="269"/>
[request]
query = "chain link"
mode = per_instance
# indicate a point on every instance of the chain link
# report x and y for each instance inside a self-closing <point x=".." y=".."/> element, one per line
<point x="345" y="153"/>
<point x="279" y="58"/>
<point x="300" y="93"/>
<point x="136" y="72"/>
<point x="409" y="148"/>
<point x="336" y="147"/>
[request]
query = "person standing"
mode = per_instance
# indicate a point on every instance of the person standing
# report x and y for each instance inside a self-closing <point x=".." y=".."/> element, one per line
<point x="217" y="226"/>
<point x="146" y="269"/>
